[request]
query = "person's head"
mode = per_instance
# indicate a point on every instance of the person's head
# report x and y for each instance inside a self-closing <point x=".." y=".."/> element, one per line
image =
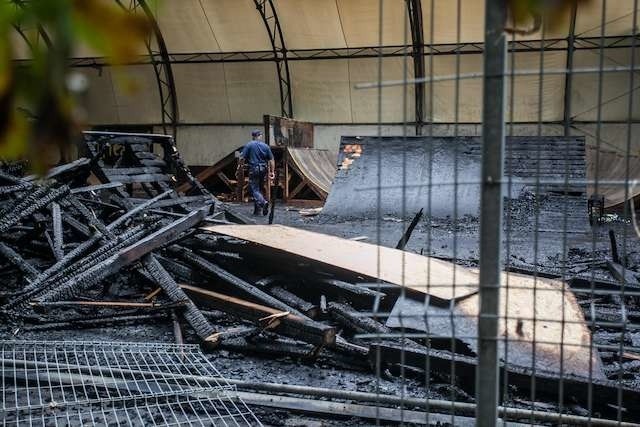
<point x="257" y="135"/>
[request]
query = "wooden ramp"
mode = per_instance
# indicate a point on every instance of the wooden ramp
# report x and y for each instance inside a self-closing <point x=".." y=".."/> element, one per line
<point x="316" y="168"/>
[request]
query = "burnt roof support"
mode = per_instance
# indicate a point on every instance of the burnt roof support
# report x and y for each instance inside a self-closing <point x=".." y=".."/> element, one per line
<point x="272" y="24"/>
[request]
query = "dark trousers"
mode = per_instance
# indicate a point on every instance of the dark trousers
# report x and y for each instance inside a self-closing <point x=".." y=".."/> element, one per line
<point x="257" y="175"/>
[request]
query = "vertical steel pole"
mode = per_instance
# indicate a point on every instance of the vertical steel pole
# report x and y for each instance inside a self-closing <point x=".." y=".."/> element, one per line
<point x="493" y="107"/>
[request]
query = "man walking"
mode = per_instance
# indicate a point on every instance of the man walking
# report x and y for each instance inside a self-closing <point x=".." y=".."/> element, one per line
<point x="260" y="159"/>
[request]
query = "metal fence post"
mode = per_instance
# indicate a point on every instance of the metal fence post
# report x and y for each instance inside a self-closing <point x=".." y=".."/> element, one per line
<point x="487" y="375"/>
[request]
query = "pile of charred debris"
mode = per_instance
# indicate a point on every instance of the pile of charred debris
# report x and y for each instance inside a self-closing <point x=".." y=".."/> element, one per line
<point x="106" y="240"/>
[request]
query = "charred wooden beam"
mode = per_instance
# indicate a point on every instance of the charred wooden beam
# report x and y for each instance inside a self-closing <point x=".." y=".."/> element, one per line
<point x="219" y="273"/>
<point x="110" y="304"/>
<point x="192" y="314"/>
<point x="160" y="238"/>
<point x="95" y="188"/>
<point x="32" y="203"/>
<point x="14" y="258"/>
<point x="350" y="318"/>
<point x="137" y="209"/>
<point x="177" y="330"/>
<point x="57" y="231"/>
<point x="623" y="274"/>
<point x="614" y="247"/>
<point x="79" y="227"/>
<point x="179" y="270"/>
<point x="291" y="325"/>
<point x="99" y="323"/>
<point x="358" y="296"/>
<point x="90" y="217"/>
<point x="235" y="333"/>
<point x="131" y="171"/>
<point x="148" y="177"/>
<point x="62" y="277"/>
<point x="67" y="168"/>
<point x="520" y="378"/>
<point x="407" y="234"/>
<point x="308" y="309"/>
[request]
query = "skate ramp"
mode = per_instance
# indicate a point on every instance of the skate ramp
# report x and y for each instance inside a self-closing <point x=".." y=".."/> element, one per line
<point x="398" y="176"/>
<point x="317" y="166"/>
<point x="612" y="172"/>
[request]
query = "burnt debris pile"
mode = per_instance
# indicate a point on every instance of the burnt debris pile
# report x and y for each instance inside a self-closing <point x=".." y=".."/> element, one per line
<point x="107" y="241"/>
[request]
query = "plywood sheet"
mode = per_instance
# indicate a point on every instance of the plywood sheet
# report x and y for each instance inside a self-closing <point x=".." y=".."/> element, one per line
<point x="416" y="272"/>
<point x="541" y="321"/>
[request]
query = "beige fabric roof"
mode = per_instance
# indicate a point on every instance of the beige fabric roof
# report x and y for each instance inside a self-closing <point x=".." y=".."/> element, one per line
<point x="323" y="90"/>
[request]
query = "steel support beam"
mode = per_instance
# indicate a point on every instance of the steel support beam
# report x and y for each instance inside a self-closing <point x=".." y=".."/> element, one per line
<point x="493" y="108"/>
<point x="161" y="62"/>
<point x="414" y="10"/>
<point x="280" y="55"/>
<point x="549" y="45"/>
<point x="568" y="79"/>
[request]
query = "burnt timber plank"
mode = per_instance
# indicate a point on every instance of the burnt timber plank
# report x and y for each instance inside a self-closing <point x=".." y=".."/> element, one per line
<point x="547" y="383"/>
<point x="214" y="270"/>
<point x="192" y="314"/>
<point x="161" y="237"/>
<point x="290" y="325"/>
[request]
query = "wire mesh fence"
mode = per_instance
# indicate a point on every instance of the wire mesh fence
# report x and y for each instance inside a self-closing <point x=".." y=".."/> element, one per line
<point x="106" y="383"/>
<point x="534" y="217"/>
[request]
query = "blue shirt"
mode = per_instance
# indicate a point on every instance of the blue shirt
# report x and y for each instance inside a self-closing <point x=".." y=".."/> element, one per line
<point x="257" y="153"/>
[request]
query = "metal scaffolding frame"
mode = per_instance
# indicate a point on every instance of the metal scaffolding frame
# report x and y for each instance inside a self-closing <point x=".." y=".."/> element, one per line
<point x="279" y="53"/>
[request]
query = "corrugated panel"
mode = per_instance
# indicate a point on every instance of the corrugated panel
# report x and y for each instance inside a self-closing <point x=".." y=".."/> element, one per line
<point x="318" y="166"/>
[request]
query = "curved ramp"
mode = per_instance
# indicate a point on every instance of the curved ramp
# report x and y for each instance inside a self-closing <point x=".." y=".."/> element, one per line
<point x="613" y="172"/>
<point x="317" y="166"/>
